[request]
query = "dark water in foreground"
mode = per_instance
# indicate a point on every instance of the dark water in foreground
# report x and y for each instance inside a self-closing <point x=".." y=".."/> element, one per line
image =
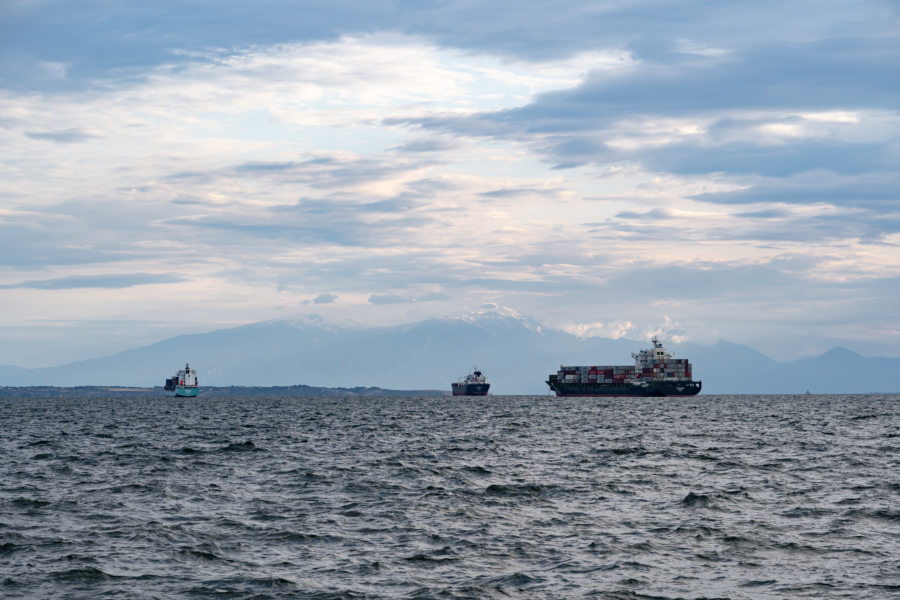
<point x="498" y="497"/>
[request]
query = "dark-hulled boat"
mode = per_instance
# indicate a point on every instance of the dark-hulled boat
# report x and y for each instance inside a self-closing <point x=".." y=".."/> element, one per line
<point x="473" y="384"/>
<point x="655" y="373"/>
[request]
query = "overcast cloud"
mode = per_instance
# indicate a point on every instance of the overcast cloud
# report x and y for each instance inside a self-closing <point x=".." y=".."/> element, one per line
<point x="702" y="169"/>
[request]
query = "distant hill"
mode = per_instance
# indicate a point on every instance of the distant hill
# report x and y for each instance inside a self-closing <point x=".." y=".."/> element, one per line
<point x="10" y="372"/>
<point x="515" y="353"/>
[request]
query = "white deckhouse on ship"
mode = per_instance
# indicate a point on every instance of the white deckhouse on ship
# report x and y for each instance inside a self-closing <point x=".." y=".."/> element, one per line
<point x="184" y="384"/>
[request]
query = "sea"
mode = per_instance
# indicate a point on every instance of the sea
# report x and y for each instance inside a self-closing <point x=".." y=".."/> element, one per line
<point x="439" y="497"/>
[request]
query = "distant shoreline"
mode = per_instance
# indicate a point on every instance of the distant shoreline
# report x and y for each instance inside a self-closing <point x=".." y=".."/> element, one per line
<point x="301" y="391"/>
<point x="209" y="391"/>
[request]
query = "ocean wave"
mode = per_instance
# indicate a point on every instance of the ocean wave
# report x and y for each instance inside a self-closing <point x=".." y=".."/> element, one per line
<point x="505" y="497"/>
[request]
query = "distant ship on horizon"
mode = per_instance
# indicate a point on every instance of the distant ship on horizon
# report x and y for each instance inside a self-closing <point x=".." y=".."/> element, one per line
<point x="184" y="384"/>
<point x="655" y="373"/>
<point x="473" y="384"/>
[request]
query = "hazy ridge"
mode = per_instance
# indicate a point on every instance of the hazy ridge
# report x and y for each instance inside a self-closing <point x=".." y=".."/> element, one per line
<point x="515" y="353"/>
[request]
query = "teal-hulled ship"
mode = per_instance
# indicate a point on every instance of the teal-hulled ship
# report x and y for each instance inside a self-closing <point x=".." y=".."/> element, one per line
<point x="185" y="383"/>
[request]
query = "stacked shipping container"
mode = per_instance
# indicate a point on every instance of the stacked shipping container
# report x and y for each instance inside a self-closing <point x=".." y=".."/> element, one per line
<point x="673" y="369"/>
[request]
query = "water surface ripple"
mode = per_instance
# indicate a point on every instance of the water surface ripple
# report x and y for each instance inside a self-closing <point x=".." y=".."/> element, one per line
<point x="496" y="497"/>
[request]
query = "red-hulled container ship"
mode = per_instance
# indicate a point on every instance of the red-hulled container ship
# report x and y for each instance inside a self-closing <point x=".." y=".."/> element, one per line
<point x="655" y="373"/>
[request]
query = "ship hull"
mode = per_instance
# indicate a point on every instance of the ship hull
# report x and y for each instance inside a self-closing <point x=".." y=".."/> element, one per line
<point x="470" y="389"/>
<point x="182" y="391"/>
<point x="651" y="389"/>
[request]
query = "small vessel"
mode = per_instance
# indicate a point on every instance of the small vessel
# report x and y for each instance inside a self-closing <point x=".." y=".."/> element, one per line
<point x="473" y="384"/>
<point x="184" y="384"/>
<point x="655" y="373"/>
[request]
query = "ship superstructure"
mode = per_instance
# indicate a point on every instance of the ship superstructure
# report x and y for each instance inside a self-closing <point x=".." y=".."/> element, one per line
<point x="655" y="372"/>
<point x="473" y="384"/>
<point x="184" y="384"/>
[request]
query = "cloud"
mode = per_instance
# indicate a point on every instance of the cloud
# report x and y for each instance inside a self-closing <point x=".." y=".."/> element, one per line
<point x="775" y="109"/>
<point x="388" y="299"/>
<point x="515" y="191"/>
<point x="265" y="167"/>
<point x="343" y="224"/>
<point x="709" y="157"/>
<point x="655" y="214"/>
<point x="325" y="298"/>
<point x="781" y="160"/>
<point x="67" y="136"/>
<point x="98" y="281"/>
<point x="816" y="223"/>
<point x="398" y="299"/>
<point x="66" y="234"/>
<point x="427" y="145"/>
<point x="817" y="75"/>
<point x="873" y="190"/>
<point x="100" y="39"/>
<point x="769" y="213"/>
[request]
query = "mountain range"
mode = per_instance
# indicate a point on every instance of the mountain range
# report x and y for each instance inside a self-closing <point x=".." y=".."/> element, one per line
<point x="515" y="353"/>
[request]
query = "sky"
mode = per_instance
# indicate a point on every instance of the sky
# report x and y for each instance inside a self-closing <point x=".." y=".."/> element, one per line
<point x="698" y="169"/>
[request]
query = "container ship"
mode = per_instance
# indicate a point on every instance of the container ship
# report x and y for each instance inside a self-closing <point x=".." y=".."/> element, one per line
<point x="473" y="384"/>
<point x="185" y="383"/>
<point x="655" y="373"/>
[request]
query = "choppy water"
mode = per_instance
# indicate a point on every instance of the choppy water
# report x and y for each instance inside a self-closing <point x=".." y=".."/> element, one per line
<point x="497" y="497"/>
